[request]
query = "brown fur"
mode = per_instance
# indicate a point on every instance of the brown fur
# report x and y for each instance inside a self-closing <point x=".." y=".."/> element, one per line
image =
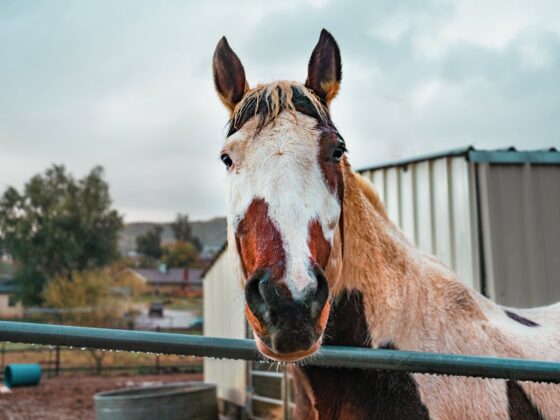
<point x="329" y="142"/>
<point x="259" y="243"/>
<point x="320" y="248"/>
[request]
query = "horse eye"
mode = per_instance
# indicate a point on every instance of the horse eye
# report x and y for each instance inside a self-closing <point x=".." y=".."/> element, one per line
<point x="337" y="154"/>
<point x="226" y="160"/>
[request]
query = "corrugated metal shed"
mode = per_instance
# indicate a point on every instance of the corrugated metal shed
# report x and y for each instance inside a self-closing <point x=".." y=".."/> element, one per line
<point x="491" y="215"/>
<point x="430" y="198"/>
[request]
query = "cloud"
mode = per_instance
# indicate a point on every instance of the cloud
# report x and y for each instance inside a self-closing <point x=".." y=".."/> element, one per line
<point x="127" y="85"/>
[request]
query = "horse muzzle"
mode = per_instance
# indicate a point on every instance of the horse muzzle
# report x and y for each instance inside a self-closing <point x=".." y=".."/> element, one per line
<point x="286" y="329"/>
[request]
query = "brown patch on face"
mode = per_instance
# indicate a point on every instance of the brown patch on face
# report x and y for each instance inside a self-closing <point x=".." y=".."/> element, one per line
<point x="329" y="141"/>
<point x="319" y="247"/>
<point x="259" y="243"/>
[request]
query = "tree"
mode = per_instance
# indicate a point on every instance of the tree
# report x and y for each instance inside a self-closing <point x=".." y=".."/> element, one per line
<point x="88" y="300"/>
<point x="180" y="254"/>
<point x="182" y="231"/>
<point x="149" y="244"/>
<point x="56" y="226"/>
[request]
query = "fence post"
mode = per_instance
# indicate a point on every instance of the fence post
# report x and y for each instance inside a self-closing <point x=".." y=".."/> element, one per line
<point x="158" y="329"/>
<point x="286" y="394"/>
<point x="57" y="361"/>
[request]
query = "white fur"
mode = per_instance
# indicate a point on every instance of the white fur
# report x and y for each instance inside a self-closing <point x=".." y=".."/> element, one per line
<point x="280" y="165"/>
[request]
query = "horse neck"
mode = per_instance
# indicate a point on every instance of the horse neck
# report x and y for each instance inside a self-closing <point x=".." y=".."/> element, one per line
<point x="402" y="289"/>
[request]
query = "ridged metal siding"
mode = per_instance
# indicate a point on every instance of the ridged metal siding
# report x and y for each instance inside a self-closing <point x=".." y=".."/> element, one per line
<point x="520" y="208"/>
<point x="224" y="317"/>
<point x="434" y="203"/>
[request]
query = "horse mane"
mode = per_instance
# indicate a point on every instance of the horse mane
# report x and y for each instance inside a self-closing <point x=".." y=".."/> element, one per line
<point x="267" y="101"/>
<point x="371" y="195"/>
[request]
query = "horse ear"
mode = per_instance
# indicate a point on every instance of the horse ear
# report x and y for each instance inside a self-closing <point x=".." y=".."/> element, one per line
<point x="229" y="75"/>
<point x="324" y="71"/>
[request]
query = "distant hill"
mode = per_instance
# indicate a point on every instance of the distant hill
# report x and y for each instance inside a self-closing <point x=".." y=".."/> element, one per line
<point x="212" y="233"/>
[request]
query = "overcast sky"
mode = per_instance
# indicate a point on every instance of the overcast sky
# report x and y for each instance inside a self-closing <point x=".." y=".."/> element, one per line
<point x="127" y="85"/>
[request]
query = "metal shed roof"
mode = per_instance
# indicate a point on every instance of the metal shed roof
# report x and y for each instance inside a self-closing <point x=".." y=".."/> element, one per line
<point x="499" y="156"/>
<point x="214" y="259"/>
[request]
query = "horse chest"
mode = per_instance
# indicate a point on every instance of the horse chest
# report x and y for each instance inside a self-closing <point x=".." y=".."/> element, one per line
<point x="353" y="393"/>
<point x="358" y="394"/>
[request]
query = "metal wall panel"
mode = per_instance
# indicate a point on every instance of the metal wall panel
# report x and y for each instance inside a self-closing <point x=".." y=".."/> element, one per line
<point x="224" y="317"/>
<point x="432" y="202"/>
<point x="392" y="192"/>
<point x="464" y="221"/>
<point x="441" y="207"/>
<point x="407" y="204"/>
<point x="423" y="208"/>
<point x="520" y="206"/>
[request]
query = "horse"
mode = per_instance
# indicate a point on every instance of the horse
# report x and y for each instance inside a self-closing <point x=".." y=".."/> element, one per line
<point x="321" y="263"/>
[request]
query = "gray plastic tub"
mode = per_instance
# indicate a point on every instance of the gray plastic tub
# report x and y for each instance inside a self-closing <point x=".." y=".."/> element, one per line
<point x="182" y="400"/>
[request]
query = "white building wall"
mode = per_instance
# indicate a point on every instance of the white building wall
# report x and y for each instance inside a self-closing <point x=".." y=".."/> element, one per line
<point x="7" y="311"/>
<point x="224" y="317"/>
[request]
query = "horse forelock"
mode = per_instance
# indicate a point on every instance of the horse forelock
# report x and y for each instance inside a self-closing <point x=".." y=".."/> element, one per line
<point x="267" y="101"/>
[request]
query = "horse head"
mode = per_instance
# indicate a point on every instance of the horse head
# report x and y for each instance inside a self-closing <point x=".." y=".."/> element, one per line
<point x="285" y="161"/>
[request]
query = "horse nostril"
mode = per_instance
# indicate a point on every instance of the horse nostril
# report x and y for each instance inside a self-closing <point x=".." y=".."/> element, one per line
<point x="254" y="295"/>
<point x="252" y="292"/>
<point x="321" y="293"/>
<point x="263" y="285"/>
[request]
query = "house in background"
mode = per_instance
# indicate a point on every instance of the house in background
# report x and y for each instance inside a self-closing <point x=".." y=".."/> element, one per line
<point x="9" y="306"/>
<point x="163" y="280"/>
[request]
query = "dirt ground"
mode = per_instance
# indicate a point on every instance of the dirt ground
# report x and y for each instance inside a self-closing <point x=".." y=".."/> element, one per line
<point x="71" y="397"/>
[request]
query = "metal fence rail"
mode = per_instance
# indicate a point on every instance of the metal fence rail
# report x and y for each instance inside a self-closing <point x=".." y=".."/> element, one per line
<point x="332" y="356"/>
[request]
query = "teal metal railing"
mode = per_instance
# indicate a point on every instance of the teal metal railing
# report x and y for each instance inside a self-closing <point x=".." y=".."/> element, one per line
<point x="330" y="356"/>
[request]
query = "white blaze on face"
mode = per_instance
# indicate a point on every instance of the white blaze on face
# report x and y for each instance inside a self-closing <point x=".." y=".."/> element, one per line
<point x="280" y="165"/>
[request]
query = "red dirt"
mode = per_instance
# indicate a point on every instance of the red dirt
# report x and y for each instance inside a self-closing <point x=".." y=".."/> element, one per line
<point x="71" y="397"/>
